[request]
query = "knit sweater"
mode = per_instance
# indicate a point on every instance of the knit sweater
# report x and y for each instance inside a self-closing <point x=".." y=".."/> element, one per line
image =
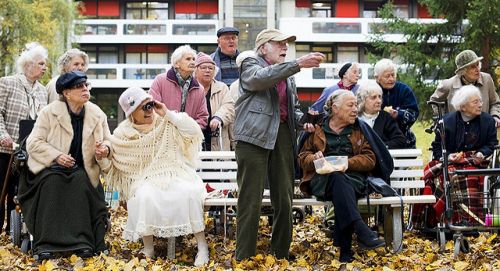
<point x="167" y="154"/>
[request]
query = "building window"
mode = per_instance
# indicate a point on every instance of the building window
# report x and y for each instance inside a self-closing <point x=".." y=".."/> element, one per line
<point x="303" y="8"/>
<point x="208" y="10"/>
<point x="101" y="54"/>
<point x="347" y="53"/>
<point x="401" y="8"/>
<point x="250" y="17"/>
<point x="146" y="54"/>
<point x="302" y="49"/>
<point x="147" y="10"/>
<point x="100" y="9"/>
<point x="322" y="9"/>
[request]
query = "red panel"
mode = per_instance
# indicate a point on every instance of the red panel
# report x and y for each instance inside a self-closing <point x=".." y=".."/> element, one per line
<point x="185" y="7"/>
<point x="109" y="9"/>
<point x="347" y="9"/>
<point x="136" y="48"/>
<point x="401" y="2"/>
<point x="90" y="8"/>
<point x="304" y="96"/>
<point x="158" y="48"/>
<point x="208" y="7"/>
<point x="315" y="96"/>
<point x="303" y="3"/>
<point x="423" y="12"/>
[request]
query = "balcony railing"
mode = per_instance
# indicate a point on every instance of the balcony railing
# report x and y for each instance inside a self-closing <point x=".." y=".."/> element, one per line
<point x="149" y="31"/>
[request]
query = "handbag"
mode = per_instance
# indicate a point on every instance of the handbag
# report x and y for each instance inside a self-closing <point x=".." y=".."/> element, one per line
<point x="379" y="186"/>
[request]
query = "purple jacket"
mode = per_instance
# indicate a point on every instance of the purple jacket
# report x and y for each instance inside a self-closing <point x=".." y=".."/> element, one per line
<point x="166" y="89"/>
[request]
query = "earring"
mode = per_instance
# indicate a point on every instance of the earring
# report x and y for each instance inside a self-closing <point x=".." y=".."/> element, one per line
<point x="68" y="98"/>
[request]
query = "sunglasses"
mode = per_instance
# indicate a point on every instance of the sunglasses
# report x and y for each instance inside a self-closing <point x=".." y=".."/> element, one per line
<point x="81" y="85"/>
<point x="148" y="106"/>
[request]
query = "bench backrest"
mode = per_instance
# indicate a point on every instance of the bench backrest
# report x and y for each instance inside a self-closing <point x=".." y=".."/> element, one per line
<point x="220" y="165"/>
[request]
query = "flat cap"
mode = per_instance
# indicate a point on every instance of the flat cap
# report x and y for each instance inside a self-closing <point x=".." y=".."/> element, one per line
<point x="267" y="35"/>
<point x="69" y="80"/>
<point x="226" y="30"/>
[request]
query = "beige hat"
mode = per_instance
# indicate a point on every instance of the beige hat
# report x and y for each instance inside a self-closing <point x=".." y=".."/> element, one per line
<point x="272" y="35"/>
<point x="466" y="58"/>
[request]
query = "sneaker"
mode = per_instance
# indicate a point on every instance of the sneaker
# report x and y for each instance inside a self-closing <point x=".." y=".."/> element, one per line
<point x="371" y="244"/>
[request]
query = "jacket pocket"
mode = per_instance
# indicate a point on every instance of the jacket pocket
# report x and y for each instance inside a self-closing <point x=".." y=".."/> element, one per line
<point x="260" y="115"/>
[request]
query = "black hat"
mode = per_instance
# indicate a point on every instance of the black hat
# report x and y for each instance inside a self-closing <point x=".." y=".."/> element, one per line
<point x="227" y="29"/>
<point x="69" y="80"/>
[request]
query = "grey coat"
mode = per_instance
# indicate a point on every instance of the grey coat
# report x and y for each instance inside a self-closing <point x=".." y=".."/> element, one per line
<point x="257" y="108"/>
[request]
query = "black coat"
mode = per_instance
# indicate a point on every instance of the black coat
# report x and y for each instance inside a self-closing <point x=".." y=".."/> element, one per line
<point x="387" y="129"/>
<point x="487" y="141"/>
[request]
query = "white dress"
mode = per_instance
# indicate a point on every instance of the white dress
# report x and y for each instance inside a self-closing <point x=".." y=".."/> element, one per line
<point x="158" y="177"/>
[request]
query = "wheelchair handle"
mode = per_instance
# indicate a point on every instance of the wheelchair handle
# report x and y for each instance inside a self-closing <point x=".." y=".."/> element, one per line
<point x="434" y="103"/>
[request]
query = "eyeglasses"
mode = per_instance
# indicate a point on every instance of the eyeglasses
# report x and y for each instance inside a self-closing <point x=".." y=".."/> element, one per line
<point x="81" y="85"/>
<point x="148" y="106"/>
<point x="282" y="44"/>
<point x="42" y="65"/>
<point x="227" y="39"/>
<point x="206" y="68"/>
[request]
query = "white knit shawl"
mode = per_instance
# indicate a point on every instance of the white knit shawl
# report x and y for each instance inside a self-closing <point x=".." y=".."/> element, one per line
<point x="168" y="153"/>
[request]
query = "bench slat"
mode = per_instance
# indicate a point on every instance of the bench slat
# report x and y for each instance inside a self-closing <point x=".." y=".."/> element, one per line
<point x="408" y="163"/>
<point x="407" y="184"/>
<point x="409" y="173"/>
<point x="406" y="152"/>
<point x="218" y="165"/>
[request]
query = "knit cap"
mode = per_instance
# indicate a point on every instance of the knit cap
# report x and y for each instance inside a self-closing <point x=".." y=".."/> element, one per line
<point x="203" y="58"/>
<point x="131" y="98"/>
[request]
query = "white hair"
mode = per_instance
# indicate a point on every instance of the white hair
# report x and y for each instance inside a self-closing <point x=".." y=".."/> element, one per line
<point x="462" y="96"/>
<point x="364" y="91"/>
<point x="383" y="65"/>
<point x="339" y="67"/>
<point x="29" y="55"/>
<point x="268" y="46"/>
<point x="65" y="60"/>
<point x="335" y="98"/>
<point x="180" y="52"/>
<point x="463" y="70"/>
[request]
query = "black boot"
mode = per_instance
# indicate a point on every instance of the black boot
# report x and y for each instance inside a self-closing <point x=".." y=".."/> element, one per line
<point x="346" y="255"/>
<point x="366" y="238"/>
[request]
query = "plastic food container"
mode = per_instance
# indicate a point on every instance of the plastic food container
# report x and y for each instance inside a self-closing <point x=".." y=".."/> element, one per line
<point x="330" y="164"/>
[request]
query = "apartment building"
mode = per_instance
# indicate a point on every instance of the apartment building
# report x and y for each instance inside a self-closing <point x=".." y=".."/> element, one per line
<point x="130" y="42"/>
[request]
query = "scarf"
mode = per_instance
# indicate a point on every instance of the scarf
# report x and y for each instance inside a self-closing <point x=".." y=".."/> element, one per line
<point x="33" y="102"/>
<point x="344" y="87"/>
<point x="369" y="118"/>
<point x="161" y="156"/>
<point x="184" y="84"/>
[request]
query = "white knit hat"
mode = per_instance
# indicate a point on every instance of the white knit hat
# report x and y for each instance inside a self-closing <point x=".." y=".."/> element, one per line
<point x="131" y="98"/>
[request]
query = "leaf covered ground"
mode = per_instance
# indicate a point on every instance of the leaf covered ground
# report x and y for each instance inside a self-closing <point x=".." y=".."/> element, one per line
<point x="310" y="250"/>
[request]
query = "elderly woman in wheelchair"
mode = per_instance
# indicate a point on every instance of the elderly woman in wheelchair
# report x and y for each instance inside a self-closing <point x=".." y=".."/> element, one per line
<point x="470" y="137"/>
<point x="61" y="196"/>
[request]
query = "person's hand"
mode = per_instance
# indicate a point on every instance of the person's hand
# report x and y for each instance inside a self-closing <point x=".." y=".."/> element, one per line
<point x="160" y="108"/>
<point x="309" y="127"/>
<point x="65" y="160"/>
<point x="394" y="113"/>
<point x="214" y="124"/>
<point x="318" y="155"/>
<point x="6" y="142"/>
<point x="497" y="120"/>
<point x="455" y="157"/>
<point x="101" y="150"/>
<point x="310" y="60"/>
<point x="478" y="158"/>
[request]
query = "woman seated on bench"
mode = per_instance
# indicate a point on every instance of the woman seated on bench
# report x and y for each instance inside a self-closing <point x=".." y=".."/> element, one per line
<point x="343" y="134"/>
<point x="470" y="137"/>
<point x="155" y="151"/>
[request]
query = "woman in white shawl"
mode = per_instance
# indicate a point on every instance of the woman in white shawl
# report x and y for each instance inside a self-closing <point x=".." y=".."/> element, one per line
<point x="154" y="156"/>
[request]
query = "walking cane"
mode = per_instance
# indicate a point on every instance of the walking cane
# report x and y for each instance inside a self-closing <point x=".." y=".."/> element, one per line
<point x="6" y="181"/>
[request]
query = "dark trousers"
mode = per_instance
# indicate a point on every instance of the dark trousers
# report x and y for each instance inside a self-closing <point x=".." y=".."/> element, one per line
<point x="254" y="165"/>
<point x="345" y="202"/>
<point x="10" y="190"/>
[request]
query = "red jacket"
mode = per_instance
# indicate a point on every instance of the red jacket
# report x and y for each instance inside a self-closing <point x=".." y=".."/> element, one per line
<point x="166" y="89"/>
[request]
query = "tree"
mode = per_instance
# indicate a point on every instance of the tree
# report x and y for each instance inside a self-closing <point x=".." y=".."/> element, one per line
<point x="430" y="48"/>
<point x="48" y="22"/>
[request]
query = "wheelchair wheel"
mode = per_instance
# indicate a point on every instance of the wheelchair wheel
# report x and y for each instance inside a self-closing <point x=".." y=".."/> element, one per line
<point x="298" y="215"/>
<point x="441" y="239"/>
<point x="16" y="226"/>
<point x="25" y="246"/>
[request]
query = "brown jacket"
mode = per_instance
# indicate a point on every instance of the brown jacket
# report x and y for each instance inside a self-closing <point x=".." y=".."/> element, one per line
<point x="222" y="106"/>
<point x="364" y="158"/>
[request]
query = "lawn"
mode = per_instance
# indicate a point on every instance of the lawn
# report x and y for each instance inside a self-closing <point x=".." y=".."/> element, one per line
<point x="424" y="139"/>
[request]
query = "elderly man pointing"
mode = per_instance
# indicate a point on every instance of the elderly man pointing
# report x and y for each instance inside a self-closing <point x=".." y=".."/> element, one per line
<point x="267" y="115"/>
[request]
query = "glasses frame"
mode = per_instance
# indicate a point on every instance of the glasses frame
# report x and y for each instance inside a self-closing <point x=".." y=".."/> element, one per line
<point x="228" y="39"/>
<point x="88" y="85"/>
<point x="205" y="68"/>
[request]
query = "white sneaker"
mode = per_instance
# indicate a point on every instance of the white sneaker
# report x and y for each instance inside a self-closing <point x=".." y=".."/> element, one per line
<point x="201" y="258"/>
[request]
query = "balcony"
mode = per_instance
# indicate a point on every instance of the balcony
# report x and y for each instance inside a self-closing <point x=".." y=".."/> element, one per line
<point x="148" y="31"/>
<point x="348" y="30"/>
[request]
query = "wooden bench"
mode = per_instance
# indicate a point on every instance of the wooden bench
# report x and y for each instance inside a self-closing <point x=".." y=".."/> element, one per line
<point x="225" y="169"/>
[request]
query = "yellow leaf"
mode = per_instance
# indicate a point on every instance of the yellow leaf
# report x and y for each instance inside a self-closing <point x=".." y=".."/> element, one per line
<point x="42" y="268"/>
<point x="49" y="266"/>
<point x="301" y="262"/>
<point x="270" y="261"/>
<point x="491" y="238"/>
<point x="450" y="245"/>
<point x="460" y="265"/>
<point x="258" y="257"/>
<point x="371" y="253"/>
<point x="73" y="259"/>
<point x="284" y="264"/>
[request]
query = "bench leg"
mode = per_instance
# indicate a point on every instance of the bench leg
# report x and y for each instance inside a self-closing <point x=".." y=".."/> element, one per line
<point x="171" y="248"/>
<point x="397" y="226"/>
<point x="388" y="224"/>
